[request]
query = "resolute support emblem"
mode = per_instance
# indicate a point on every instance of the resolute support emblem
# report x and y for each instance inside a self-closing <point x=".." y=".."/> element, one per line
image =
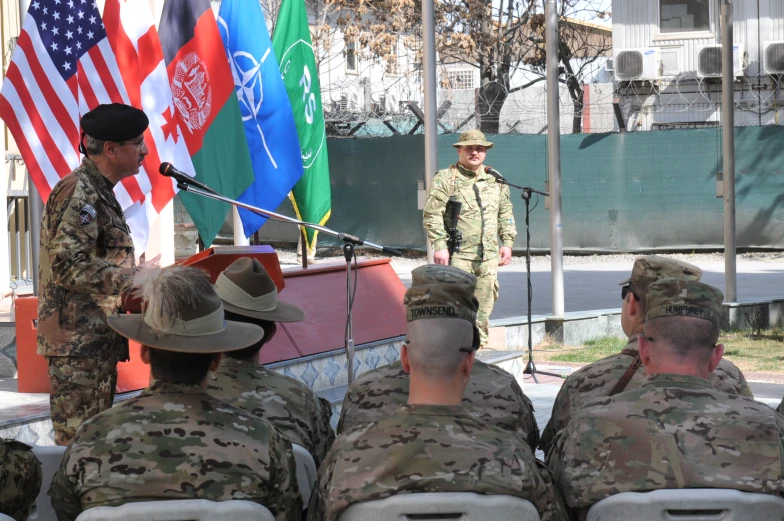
<point x="86" y="215"/>
<point x="192" y="91"/>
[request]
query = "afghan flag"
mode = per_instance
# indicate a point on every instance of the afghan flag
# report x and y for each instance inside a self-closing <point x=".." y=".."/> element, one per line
<point x="311" y="196"/>
<point x="207" y="108"/>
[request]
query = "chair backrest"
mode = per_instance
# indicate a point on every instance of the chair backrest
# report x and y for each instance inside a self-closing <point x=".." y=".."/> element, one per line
<point x="180" y="510"/>
<point x="695" y="504"/>
<point x="4" y="517"/>
<point x="306" y="472"/>
<point x="50" y="458"/>
<point x="455" y="506"/>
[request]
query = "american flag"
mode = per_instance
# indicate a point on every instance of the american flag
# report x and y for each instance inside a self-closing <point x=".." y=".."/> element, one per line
<point x="63" y="66"/>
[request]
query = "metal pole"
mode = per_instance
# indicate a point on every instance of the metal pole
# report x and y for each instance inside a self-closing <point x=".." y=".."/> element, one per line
<point x="554" y="157"/>
<point x="430" y="109"/>
<point x="728" y="112"/>
<point x="36" y="206"/>
<point x="239" y="234"/>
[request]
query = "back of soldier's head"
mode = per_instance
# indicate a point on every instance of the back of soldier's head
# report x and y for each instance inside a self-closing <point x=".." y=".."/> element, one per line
<point x="683" y="318"/>
<point x="650" y="268"/>
<point x="441" y="314"/>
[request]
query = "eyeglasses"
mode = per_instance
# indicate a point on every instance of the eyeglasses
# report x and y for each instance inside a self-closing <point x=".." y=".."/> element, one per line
<point x="625" y="290"/>
<point x="137" y="144"/>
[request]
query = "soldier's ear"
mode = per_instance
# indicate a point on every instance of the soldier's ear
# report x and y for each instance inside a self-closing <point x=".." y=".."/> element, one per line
<point x="216" y="360"/>
<point x="468" y="363"/>
<point x="644" y="348"/>
<point x="144" y="354"/>
<point x="715" y="358"/>
<point x="404" y="358"/>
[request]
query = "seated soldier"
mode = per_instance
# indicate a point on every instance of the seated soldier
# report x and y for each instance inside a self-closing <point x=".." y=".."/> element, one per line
<point x="492" y="395"/>
<point x="676" y="430"/>
<point x="615" y="373"/>
<point x="249" y="295"/>
<point x="175" y="441"/>
<point x="432" y="443"/>
<point x="20" y="479"/>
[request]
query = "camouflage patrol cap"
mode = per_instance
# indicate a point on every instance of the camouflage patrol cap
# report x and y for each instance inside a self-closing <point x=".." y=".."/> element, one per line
<point x="441" y="292"/>
<point x="651" y="268"/>
<point x="684" y="298"/>
<point x="473" y="137"/>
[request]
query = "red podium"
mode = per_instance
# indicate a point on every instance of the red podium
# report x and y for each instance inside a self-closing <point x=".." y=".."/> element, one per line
<point x="319" y="290"/>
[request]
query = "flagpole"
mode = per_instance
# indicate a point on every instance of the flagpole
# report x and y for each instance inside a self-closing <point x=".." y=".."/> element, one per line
<point x="239" y="232"/>
<point x="429" y="75"/>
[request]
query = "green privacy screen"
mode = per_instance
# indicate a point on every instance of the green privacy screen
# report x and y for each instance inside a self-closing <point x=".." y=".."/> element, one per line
<point x="620" y="192"/>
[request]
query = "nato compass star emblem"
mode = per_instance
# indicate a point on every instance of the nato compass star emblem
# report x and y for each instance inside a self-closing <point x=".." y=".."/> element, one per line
<point x="86" y="215"/>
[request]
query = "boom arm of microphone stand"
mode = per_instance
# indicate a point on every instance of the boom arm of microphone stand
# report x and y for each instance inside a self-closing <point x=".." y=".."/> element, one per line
<point x="345" y="237"/>
<point x="525" y="188"/>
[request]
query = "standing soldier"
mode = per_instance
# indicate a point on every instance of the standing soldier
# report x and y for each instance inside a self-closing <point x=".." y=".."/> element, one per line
<point x="86" y="259"/>
<point x="485" y="213"/>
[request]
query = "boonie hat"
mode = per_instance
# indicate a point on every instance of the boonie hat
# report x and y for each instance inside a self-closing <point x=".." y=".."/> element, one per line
<point x="473" y="137"/>
<point x="247" y="289"/>
<point x="182" y="312"/>
<point x="685" y="298"/>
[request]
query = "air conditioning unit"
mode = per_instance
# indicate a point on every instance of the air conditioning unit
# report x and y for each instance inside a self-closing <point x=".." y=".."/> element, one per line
<point x="609" y="65"/>
<point x="637" y="64"/>
<point x="709" y="61"/>
<point x="773" y="57"/>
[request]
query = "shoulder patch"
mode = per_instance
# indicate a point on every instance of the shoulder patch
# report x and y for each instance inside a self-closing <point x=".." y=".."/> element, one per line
<point x="86" y="215"/>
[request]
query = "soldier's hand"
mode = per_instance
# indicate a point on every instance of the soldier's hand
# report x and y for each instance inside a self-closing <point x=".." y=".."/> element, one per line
<point x="441" y="257"/>
<point x="151" y="264"/>
<point x="506" y="256"/>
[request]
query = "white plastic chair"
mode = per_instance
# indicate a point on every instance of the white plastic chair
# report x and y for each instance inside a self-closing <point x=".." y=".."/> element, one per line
<point x="458" y="506"/>
<point x="180" y="510"/>
<point x="4" y="517"/>
<point x="695" y="504"/>
<point x="306" y="472"/>
<point x="50" y="458"/>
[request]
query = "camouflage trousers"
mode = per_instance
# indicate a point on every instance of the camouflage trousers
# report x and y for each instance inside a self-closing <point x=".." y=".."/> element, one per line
<point x="20" y="479"/>
<point x="486" y="273"/>
<point x="80" y="389"/>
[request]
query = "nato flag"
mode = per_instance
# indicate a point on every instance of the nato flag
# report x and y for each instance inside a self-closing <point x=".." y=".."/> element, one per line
<point x="266" y="109"/>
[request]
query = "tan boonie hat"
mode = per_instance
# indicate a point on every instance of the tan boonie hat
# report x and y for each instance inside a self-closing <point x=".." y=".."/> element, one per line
<point x="684" y="298"/>
<point x="651" y="268"/>
<point x="183" y="313"/>
<point x="439" y="291"/>
<point x="473" y="137"/>
<point x="246" y="289"/>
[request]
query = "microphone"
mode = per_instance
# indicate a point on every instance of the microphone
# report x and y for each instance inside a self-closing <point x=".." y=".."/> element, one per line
<point x="167" y="169"/>
<point x="498" y="177"/>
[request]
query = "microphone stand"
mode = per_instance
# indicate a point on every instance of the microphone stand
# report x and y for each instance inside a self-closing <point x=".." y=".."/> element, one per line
<point x="525" y="193"/>
<point x="186" y="184"/>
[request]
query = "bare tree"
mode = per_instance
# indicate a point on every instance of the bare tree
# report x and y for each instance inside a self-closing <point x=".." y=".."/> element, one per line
<point x="499" y="37"/>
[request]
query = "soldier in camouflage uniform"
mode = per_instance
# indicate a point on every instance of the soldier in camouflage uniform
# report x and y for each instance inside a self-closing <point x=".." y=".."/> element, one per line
<point x="20" y="479"/>
<point x="175" y="441"/>
<point x="86" y="259"/>
<point x="676" y="430"/>
<point x="492" y="396"/>
<point x="607" y="376"/>
<point x="249" y="295"/>
<point x="432" y="443"/>
<point x="486" y="214"/>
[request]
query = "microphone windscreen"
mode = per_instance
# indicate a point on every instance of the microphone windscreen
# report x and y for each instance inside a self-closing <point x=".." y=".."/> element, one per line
<point x="164" y="168"/>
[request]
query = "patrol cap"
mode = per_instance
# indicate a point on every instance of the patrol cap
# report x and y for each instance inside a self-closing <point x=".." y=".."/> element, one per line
<point x="649" y="269"/>
<point x="114" y="122"/>
<point x="473" y="137"/>
<point x="439" y="291"/>
<point x="684" y="298"/>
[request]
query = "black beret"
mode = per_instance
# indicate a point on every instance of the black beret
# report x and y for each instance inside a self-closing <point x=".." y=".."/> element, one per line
<point x="114" y="122"/>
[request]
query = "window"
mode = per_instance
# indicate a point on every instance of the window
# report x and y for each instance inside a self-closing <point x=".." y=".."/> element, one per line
<point x="460" y="79"/>
<point x="351" y="57"/>
<point x="681" y="16"/>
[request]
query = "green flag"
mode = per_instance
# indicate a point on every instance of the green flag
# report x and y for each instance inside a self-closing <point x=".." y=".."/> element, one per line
<point x="311" y="196"/>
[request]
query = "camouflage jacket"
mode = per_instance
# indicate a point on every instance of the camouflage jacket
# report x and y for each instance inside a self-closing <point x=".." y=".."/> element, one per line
<point x="674" y="431"/>
<point x="492" y="396"/>
<point x="176" y="442"/>
<point x="429" y="448"/>
<point x="288" y="404"/>
<point x="86" y="258"/>
<point x="597" y="380"/>
<point x="20" y="479"/>
<point x="486" y="212"/>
